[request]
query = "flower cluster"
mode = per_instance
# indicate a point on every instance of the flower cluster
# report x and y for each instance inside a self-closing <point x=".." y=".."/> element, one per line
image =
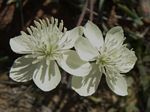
<point x="48" y="44"/>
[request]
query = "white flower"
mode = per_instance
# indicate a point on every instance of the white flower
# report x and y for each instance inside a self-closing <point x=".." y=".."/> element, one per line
<point x="110" y="57"/>
<point x="45" y="45"/>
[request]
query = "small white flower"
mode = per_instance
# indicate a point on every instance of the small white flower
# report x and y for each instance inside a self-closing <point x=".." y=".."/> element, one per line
<point x="110" y="57"/>
<point x="45" y="45"/>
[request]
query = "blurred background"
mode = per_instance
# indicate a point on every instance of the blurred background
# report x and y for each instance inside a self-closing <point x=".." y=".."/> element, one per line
<point x="132" y="15"/>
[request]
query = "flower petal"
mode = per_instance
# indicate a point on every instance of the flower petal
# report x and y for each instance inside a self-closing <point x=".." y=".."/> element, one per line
<point x="68" y="40"/>
<point x="85" y="50"/>
<point x="94" y="34"/>
<point x="47" y="76"/>
<point x="126" y="61"/>
<point x="118" y="85"/>
<point x="72" y="64"/>
<point x="87" y="85"/>
<point x="22" y="69"/>
<point x="114" y="38"/>
<point x="18" y="44"/>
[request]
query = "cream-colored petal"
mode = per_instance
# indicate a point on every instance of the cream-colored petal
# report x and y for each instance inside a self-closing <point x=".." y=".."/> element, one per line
<point x="114" y="38"/>
<point x="87" y="85"/>
<point x="94" y="34"/>
<point x="118" y="85"/>
<point x="22" y="70"/>
<point x="19" y="45"/>
<point x="69" y="39"/>
<point x="47" y="76"/>
<point x="85" y="50"/>
<point x="126" y="61"/>
<point x="72" y="63"/>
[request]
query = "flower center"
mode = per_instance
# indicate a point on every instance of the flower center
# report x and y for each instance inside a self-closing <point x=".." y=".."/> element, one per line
<point x="50" y="51"/>
<point x="102" y="60"/>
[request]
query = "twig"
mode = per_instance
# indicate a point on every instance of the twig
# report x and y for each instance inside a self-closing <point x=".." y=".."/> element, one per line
<point x="94" y="13"/>
<point x="82" y="14"/>
<point x="21" y="12"/>
<point x="8" y="82"/>
<point x="91" y="9"/>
